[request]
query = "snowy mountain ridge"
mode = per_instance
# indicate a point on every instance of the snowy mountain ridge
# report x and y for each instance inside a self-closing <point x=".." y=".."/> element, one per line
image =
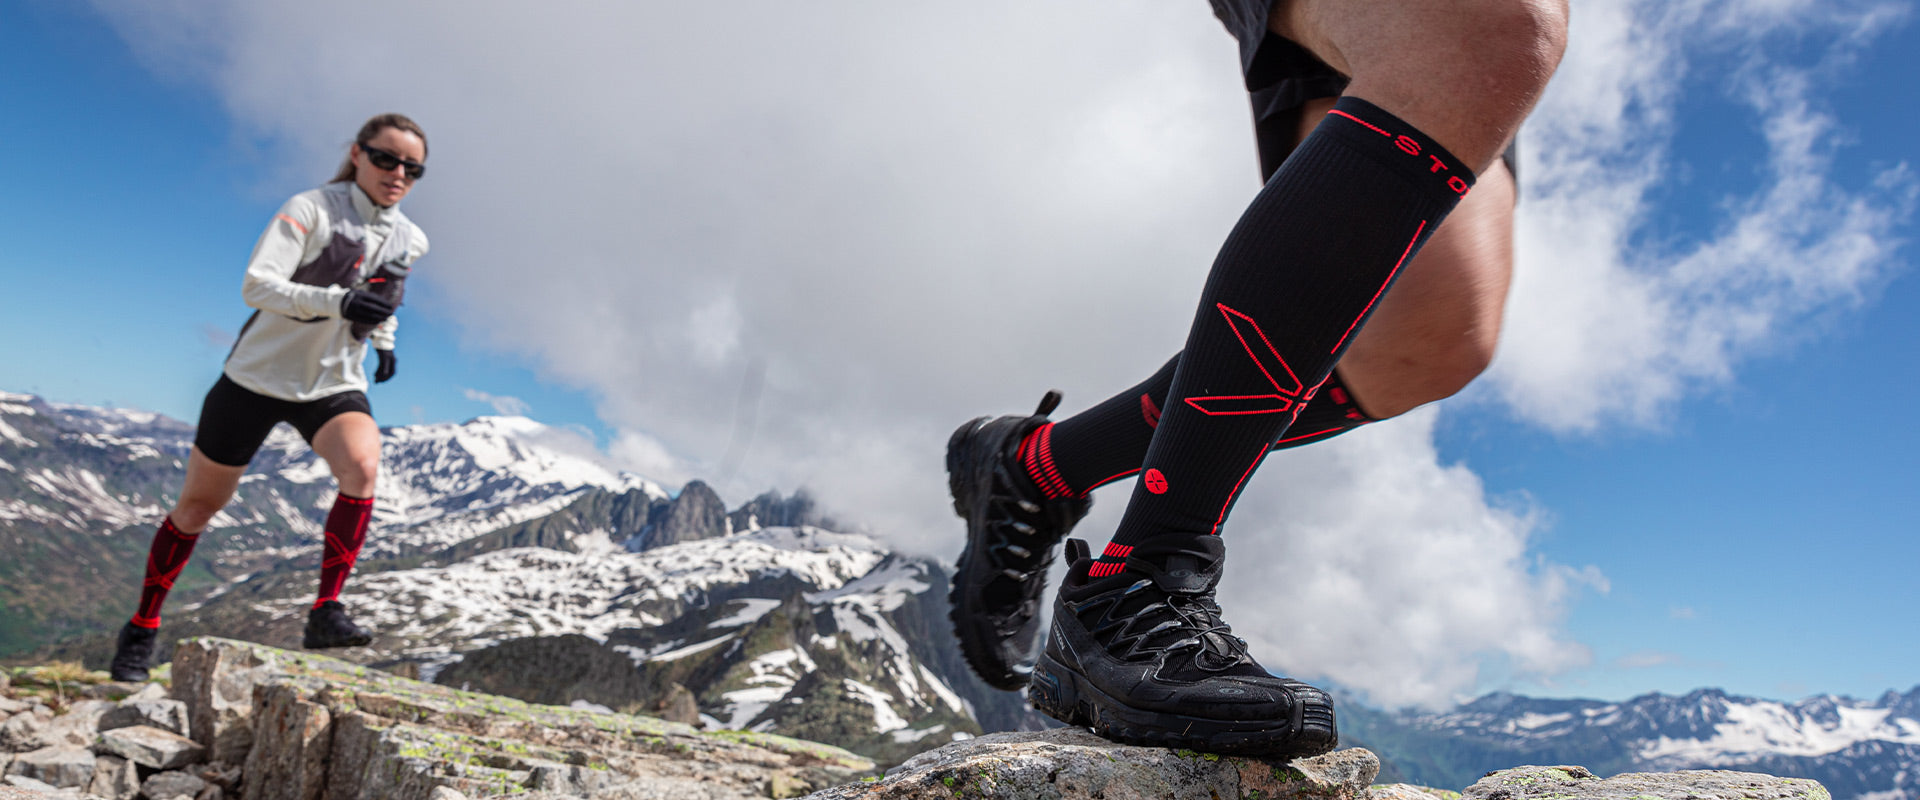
<point x="1857" y="748"/>
<point x="439" y="484"/>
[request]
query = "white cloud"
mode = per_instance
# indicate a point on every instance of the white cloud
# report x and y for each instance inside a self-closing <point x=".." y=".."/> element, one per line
<point x="1607" y="326"/>
<point x="796" y="247"/>
<point x="1368" y="561"/>
<point x="503" y="405"/>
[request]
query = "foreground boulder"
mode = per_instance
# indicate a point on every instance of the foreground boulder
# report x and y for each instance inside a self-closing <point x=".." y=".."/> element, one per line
<point x="1541" y="783"/>
<point x="308" y="726"/>
<point x="1072" y="764"/>
<point x="1076" y="765"/>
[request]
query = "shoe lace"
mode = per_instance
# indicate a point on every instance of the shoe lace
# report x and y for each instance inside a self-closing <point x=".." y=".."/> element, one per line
<point x="1018" y="550"/>
<point x="1166" y="623"/>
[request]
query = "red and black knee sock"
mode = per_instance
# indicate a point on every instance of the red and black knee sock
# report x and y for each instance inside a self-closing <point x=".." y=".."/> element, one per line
<point x="346" y="530"/>
<point x="165" y="558"/>
<point x="1107" y="442"/>
<point x="1295" y="279"/>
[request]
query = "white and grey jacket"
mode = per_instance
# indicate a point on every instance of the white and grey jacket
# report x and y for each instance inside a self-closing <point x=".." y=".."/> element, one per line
<point x="322" y="243"/>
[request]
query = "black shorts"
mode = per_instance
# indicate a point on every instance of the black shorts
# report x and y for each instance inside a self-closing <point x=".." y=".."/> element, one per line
<point x="234" y="421"/>
<point x="1282" y="76"/>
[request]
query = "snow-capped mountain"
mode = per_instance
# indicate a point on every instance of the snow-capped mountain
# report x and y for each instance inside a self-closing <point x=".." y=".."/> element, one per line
<point x="1857" y="748"/>
<point x="98" y="470"/>
<point x="497" y="554"/>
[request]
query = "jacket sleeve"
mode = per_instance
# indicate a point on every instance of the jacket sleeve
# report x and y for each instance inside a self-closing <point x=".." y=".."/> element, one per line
<point x="382" y="337"/>
<point x="284" y="246"/>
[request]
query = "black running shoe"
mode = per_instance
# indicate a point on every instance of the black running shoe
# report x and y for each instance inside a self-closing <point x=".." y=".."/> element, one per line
<point x="329" y="626"/>
<point x="132" y="652"/>
<point x="1011" y="530"/>
<point x="1142" y="657"/>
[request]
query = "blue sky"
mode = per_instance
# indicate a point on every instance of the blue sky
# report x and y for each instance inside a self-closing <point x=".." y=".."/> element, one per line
<point x="625" y="224"/>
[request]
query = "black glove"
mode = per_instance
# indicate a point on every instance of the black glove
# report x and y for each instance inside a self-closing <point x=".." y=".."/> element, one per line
<point x="364" y="306"/>
<point x="388" y="363"/>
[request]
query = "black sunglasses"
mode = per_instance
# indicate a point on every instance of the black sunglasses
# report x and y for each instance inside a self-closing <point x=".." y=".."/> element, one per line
<point x="384" y="160"/>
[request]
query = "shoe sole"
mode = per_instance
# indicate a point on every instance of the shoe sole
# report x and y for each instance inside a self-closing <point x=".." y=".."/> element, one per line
<point x="1012" y="679"/>
<point x="357" y="641"/>
<point x="1067" y="696"/>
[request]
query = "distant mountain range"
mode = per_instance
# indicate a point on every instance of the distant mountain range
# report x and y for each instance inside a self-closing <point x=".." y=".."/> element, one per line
<point x="501" y="561"/>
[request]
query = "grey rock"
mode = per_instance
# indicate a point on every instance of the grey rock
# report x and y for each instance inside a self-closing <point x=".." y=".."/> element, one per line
<point x="76" y="727"/>
<point x="694" y="515"/>
<point x="571" y="779"/>
<point x="678" y="705"/>
<point x="9" y="705"/>
<point x="291" y="743"/>
<point x="24" y="731"/>
<point x="171" y="784"/>
<point x="114" y="778"/>
<point x="149" y="691"/>
<point x="1529" y="783"/>
<point x="1072" y="764"/>
<point x="217" y="684"/>
<point x="61" y="767"/>
<point x="444" y="793"/>
<point x="164" y="714"/>
<point x="151" y="747"/>
<point x="30" y="787"/>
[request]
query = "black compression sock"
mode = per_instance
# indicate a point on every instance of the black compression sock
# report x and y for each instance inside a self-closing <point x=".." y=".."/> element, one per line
<point x="1295" y="279"/>
<point x="1107" y="442"/>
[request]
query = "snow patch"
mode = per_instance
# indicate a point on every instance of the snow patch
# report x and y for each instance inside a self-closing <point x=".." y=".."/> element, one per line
<point x="1764" y="728"/>
<point x="8" y="434"/>
<point x="750" y="611"/>
<point x="682" y="652"/>
<point x="1530" y="720"/>
<point x="913" y="736"/>
<point x="885" y="719"/>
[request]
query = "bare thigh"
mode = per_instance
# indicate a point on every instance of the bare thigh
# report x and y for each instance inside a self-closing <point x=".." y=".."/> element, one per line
<point x="1466" y="72"/>
<point x="350" y="444"/>
<point x="209" y="486"/>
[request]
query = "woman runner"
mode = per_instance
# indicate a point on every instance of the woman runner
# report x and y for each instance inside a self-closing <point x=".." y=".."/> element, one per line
<point x="324" y="280"/>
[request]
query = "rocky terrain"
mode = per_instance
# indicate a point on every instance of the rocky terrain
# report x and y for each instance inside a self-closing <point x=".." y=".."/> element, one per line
<point x="241" y="720"/>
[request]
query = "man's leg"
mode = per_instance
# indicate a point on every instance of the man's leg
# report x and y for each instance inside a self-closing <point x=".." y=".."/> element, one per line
<point x="1438" y="89"/>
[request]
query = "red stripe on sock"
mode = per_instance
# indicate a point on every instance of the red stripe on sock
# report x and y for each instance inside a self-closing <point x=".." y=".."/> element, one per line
<point x="346" y="532"/>
<point x="1221" y="520"/>
<point x="1383" y="286"/>
<point x="166" y="557"/>
<point x="1370" y="126"/>
<point x="1038" y="447"/>
<point x="1104" y="481"/>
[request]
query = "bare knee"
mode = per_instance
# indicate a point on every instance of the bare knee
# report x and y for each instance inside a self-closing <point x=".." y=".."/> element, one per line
<point x="192" y="513"/>
<point x="357" y="476"/>
<point x="1389" y="385"/>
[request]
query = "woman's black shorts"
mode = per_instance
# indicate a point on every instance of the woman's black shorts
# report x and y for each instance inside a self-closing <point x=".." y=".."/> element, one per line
<point x="234" y="421"/>
<point x="1282" y="76"/>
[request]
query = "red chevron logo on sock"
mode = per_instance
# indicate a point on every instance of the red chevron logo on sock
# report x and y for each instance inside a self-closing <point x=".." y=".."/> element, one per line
<point x="1286" y="386"/>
